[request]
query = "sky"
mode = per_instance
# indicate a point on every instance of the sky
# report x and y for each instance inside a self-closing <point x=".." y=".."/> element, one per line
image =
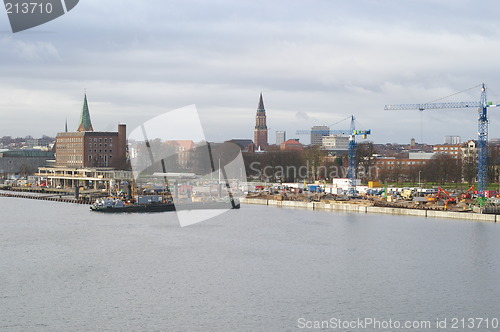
<point x="315" y="61"/>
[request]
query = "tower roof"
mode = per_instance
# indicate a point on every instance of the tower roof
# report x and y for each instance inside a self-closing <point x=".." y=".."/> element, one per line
<point x="85" y="123"/>
<point x="261" y="104"/>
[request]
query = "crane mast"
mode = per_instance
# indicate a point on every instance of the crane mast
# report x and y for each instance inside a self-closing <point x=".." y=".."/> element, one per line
<point x="482" y="144"/>
<point x="351" y="152"/>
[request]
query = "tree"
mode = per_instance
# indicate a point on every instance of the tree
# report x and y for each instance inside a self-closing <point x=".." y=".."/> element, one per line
<point x="444" y="168"/>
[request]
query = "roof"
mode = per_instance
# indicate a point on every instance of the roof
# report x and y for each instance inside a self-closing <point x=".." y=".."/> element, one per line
<point x="85" y="123"/>
<point x="242" y="143"/>
<point x="27" y="153"/>
<point x="261" y="104"/>
<point x="291" y="142"/>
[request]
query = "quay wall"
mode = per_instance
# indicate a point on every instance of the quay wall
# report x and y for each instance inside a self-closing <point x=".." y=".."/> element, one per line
<point x="53" y="198"/>
<point x="346" y="207"/>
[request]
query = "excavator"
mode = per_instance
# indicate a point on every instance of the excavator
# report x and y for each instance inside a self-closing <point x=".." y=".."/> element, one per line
<point x="468" y="194"/>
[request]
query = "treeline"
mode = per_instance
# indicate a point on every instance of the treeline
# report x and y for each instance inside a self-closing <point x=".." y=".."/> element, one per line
<point x="442" y="168"/>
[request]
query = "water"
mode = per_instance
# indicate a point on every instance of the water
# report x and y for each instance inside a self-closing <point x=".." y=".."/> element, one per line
<point x="64" y="268"/>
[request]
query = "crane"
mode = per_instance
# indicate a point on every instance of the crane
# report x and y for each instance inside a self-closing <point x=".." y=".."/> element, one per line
<point x="482" y="105"/>
<point x="351" y="154"/>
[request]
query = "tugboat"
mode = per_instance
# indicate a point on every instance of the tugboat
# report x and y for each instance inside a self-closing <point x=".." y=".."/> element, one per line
<point x="155" y="203"/>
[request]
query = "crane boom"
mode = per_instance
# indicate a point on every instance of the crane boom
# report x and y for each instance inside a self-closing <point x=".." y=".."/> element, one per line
<point x="428" y="106"/>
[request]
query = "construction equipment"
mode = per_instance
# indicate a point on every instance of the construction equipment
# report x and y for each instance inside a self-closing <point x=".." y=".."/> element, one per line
<point x="444" y="195"/>
<point x="468" y="194"/>
<point x="482" y="105"/>
<point x="351" y="168"/>
<point x="351" y="154"/>
<point x="407" y="194"/>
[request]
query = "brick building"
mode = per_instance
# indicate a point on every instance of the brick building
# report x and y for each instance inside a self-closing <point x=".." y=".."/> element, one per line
<point x="89" y="148"/>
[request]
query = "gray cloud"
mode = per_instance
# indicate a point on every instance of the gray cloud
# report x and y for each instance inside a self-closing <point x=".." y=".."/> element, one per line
<point x="327" y="59"/>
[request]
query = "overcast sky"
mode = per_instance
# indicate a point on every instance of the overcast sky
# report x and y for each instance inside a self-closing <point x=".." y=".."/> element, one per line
<point x="316" y="62"/>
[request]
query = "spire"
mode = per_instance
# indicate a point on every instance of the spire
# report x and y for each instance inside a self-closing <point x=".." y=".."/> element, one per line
<point x="66" y="126"/>
<point x="261" y="103"/>
<point x="85" y="123"/>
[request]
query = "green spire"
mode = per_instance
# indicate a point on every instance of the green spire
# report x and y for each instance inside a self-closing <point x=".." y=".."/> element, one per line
<point x="85" y="123"/>
<point x="66" y="126"/>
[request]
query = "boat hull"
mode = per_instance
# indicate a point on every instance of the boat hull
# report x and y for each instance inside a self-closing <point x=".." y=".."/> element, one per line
<point x="164" y="207"/>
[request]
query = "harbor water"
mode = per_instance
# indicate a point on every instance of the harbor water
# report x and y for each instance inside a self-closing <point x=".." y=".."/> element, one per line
<point x="260" y="268"/>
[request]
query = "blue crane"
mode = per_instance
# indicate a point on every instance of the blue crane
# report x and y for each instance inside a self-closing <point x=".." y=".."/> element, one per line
<point x="351" y="154"/>
<point x="482" y="122"/>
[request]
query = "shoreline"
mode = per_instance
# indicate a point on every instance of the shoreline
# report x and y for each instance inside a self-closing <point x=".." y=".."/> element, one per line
<point x="45" y="197"/>
<point x="334" y="207"/>
<point x="346" y="207"/>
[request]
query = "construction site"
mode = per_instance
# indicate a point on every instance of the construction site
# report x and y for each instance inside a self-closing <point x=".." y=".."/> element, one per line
<point x="476" y="199"/>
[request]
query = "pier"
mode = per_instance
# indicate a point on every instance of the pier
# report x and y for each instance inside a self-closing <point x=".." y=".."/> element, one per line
<point x="348" y="207"/>
<point x="47" y="197"/>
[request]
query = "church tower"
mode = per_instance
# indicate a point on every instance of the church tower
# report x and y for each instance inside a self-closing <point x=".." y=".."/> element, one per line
<point x="85" y="123"/>
<point x="260" y="132"/>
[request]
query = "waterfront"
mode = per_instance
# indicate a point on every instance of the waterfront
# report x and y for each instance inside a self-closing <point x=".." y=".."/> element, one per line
<point x="259" y="268"/>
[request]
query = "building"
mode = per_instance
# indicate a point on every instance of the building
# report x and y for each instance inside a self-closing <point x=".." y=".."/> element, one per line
<point x="335" y="143"/>
<point x="280" y="137"/>
<point x="37" y="143"/>
<point x="182" y="149"/>
<point x="452" y="140"/>
<point x="393" y="162"/>
<point x="421" y="155"/>
<point x="469" y="150"/>
<point x="89" y="148"/>
<point x="317" y="133"/>
<point x="23" y="162"/>
<point x="90" y="178"/>
<point x="291" y="145"/>
<point x="244" y="144"/>
<point x="455" y="150"/>
<point x="260" y="132"/>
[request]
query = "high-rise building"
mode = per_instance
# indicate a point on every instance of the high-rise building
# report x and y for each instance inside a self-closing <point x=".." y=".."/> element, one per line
<point x="317" y="133"/>
<point x="280" y="137"/>
<point x="452" y="140"/>
<point x="260" y="132"/>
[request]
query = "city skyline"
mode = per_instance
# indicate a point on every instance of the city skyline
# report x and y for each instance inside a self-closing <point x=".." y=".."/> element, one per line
<point x="315" y="63"/>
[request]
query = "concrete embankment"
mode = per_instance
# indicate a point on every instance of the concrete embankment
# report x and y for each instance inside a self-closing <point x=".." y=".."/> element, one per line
<point x="53" y="198"/>
<point x="346" y="207"/>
